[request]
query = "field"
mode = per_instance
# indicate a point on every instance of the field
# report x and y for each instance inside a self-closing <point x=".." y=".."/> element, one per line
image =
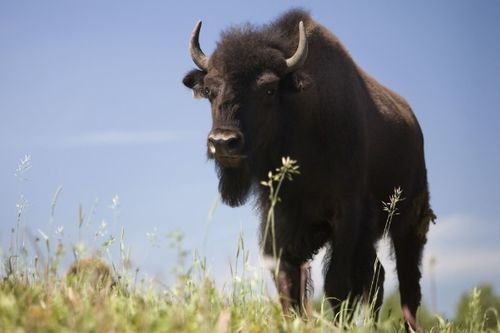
<point x="98" y="295"/>
<point x="92" y="301"/>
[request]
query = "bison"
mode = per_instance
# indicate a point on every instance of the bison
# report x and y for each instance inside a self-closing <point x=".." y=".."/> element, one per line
<point x="290" y="88"/>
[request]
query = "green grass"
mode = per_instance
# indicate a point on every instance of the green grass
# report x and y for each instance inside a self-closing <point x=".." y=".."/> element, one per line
<point x="98" y="295"/>
<point x="91" y="301"/>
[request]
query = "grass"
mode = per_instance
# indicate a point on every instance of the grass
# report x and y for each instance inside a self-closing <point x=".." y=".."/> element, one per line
<point x="98" y="295"/>
<point x="92" y="302"/>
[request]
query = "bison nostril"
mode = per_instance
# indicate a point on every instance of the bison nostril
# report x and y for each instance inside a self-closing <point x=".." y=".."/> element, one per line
<point x="228" y="144"/>
<point x="233" y="143"/>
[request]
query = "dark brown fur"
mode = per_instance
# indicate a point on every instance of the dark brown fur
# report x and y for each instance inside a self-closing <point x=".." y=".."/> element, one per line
<point x="354" y="139"/>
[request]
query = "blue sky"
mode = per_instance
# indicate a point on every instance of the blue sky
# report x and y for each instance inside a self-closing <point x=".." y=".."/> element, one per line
<point x="92" y="91"/>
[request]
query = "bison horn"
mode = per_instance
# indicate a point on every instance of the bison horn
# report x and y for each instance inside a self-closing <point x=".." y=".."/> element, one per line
<point x="199" y="58"/>
<point x="297" y="60"/>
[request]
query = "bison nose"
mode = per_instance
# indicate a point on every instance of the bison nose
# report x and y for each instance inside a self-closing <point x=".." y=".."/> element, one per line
<point x="225" y="144"/>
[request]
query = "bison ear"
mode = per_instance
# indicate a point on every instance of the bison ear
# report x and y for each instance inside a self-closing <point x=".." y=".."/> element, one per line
<point x="298" y="81"/>
<point x="194" y="80"/>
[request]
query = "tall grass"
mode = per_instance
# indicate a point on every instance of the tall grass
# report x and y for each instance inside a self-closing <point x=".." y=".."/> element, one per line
<point x="288" y="169"/>
<point x="100" y="294"/>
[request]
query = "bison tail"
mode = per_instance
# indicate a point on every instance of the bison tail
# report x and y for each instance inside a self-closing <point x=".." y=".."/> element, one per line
<point x="424" y="212"/>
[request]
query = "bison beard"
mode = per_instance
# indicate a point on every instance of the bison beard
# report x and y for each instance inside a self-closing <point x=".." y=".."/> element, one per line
<point x="234" y="184"/>
<point x="290" y="88"/>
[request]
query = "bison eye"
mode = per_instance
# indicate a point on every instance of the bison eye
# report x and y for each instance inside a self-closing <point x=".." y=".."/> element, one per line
<point x="270" y="92"/>
<point x="206" y="92"/>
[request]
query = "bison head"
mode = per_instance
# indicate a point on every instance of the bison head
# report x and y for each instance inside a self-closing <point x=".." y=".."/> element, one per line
<point x="245" y="80"/>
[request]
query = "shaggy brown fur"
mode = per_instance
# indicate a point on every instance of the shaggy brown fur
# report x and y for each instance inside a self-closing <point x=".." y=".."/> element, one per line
<point x="354" y="139"/>
<point x="93" y="271"/>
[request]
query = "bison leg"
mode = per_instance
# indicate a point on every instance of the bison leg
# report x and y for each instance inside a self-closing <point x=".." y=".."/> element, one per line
<point x="339" y="274"/>
<point x="408" y="255"/>
<point x="292" y="281"/>
<point x="295" y="244"/>
<point x="368" y="275"/>
<point x="338" y="287"/>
